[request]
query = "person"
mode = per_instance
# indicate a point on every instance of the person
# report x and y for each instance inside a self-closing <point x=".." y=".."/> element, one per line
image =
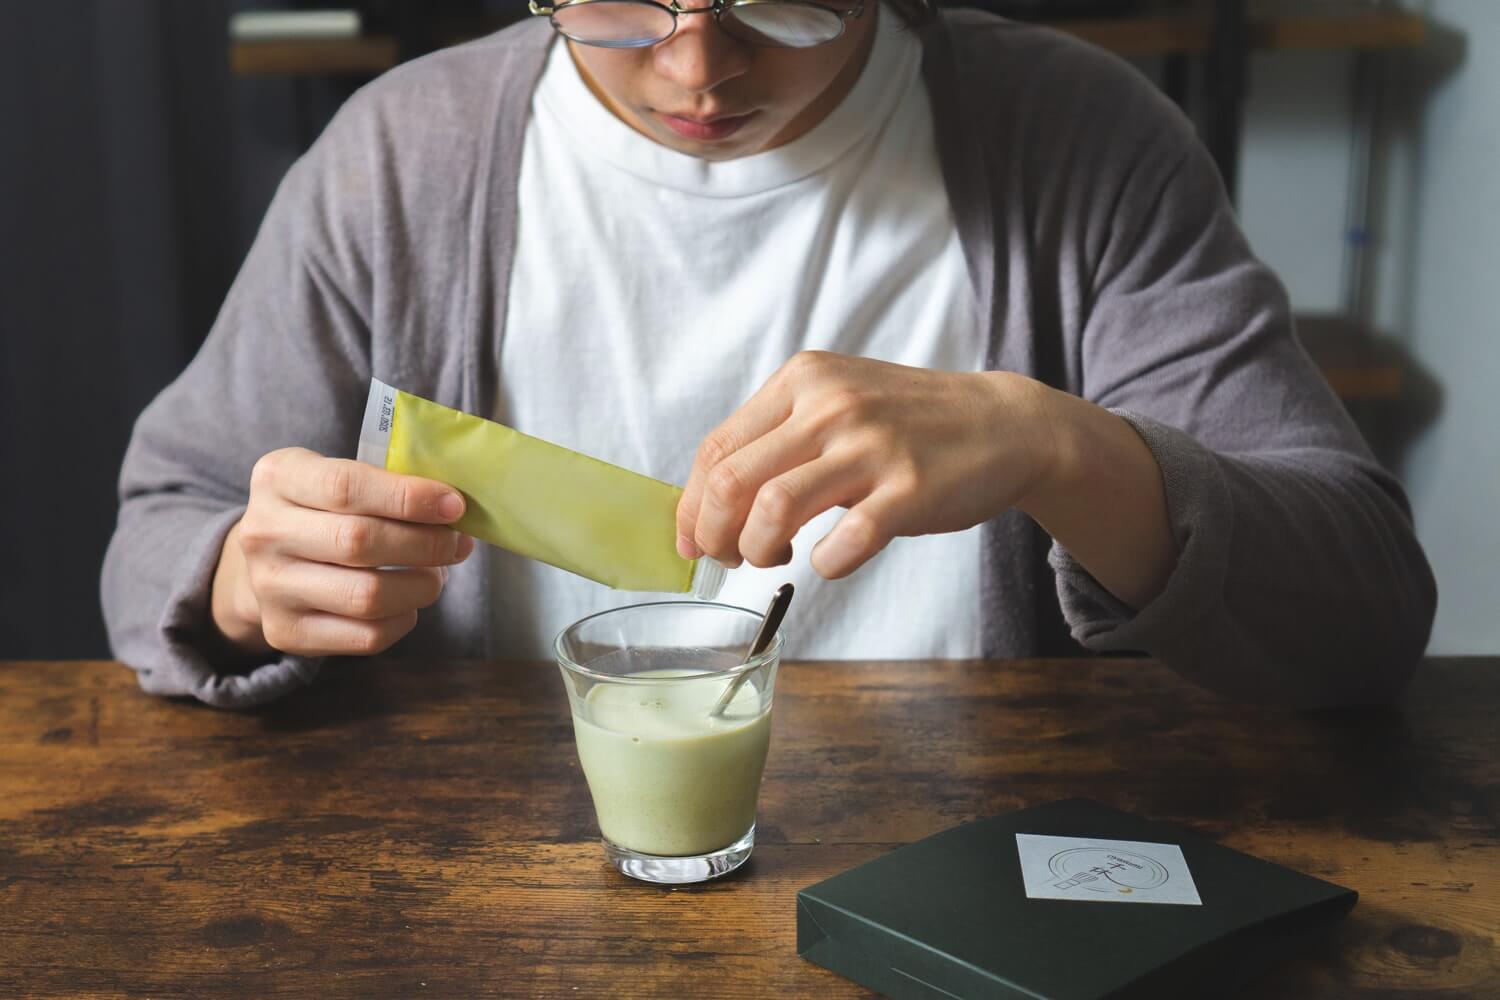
<point x="943" y="317"/>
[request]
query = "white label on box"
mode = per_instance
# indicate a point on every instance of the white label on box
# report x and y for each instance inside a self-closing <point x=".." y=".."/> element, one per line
<point x="1105" y="871"/>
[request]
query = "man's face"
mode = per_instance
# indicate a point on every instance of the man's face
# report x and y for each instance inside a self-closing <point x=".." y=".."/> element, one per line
<point x="706" y="94"/>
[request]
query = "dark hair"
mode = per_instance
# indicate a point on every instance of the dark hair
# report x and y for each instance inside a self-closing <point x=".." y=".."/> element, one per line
<point x="914" y="13"/>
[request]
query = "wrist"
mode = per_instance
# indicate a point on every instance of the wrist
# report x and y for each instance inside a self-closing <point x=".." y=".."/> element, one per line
<point x="1103" y="500"/>
<point x="1067" y="431"/>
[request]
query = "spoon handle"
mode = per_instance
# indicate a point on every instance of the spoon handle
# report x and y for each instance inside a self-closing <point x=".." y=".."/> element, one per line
<point x="767" y="632"/>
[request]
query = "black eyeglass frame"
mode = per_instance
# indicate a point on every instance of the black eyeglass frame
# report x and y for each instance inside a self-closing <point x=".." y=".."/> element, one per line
<point x="718" y="9"/>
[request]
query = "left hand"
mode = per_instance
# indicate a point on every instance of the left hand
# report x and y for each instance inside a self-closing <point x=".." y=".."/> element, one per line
<point x="908" y="451"/>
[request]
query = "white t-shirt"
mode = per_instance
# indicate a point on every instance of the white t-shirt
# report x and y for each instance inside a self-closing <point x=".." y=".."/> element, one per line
<point x="653" y="292"/>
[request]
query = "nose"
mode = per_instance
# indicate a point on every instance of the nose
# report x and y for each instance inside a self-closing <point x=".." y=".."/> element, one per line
<point x="700" y="56"/>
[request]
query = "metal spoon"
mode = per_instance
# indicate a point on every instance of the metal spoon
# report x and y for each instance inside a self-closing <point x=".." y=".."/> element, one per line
<point x="758" y="645"/>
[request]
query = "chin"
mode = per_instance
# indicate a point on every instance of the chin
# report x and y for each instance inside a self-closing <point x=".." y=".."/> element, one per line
<point x="714" y="151"/>
<point x="714" y="154"/>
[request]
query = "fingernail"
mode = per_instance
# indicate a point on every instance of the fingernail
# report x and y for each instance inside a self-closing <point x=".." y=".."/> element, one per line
<point x="450" y="506"/>
<point x="686" y="548"/>
<point x="464" y="548"/>
<point x="835" y="555"/>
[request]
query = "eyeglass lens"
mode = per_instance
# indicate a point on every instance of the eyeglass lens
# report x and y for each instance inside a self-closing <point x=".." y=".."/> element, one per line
<point x="634" y="24"/>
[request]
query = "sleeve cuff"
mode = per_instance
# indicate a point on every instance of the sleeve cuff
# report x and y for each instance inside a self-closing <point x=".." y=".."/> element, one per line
<point x="1202" y="517"/>
<point x="187" y="635"/>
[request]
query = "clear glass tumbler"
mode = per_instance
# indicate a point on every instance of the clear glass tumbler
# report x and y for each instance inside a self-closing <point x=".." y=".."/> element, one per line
<point x="674" y="785"/>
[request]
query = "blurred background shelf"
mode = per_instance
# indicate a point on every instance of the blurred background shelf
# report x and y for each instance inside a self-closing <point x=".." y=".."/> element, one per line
<point x="1358" y="365"/>
<point x="1145" y="35"/>
<point x="1161" y="35"/>
<point x="365" y="56"/>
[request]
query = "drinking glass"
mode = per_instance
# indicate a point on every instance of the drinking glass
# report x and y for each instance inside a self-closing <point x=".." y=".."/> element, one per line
<point x="674" y="785"/>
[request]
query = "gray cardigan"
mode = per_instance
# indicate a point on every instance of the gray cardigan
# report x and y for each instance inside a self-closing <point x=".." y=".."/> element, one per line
<point x="1105" y="256"/>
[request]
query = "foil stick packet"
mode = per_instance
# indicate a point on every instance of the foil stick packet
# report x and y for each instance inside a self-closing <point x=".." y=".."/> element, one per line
<point x="538" y="499"/>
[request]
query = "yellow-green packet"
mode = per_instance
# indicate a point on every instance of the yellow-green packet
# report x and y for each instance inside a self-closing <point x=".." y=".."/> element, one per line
<point x="538" y="499"/>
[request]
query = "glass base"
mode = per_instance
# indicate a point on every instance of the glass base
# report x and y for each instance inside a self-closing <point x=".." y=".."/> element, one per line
<point x="680" y="870"/>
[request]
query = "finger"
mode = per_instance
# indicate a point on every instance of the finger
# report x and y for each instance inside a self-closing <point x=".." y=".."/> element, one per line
<point x="787" y="502"/>
<point x="356" y="540"/>
<point x="466" y="546"/>
<point x="731" y="487"/>
<point x="861" y="533"/>
<point x="762" y="413"/>
<point x="341" y="486"/>
<point x="319" y="634"/>
<point x="365" y="594"/>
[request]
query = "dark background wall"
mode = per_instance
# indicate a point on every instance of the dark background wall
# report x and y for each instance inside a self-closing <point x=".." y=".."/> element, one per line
<point x="133" y="174"/>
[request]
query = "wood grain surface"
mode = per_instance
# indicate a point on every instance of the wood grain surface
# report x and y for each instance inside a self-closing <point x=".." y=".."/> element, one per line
<point x="423" y="830"/>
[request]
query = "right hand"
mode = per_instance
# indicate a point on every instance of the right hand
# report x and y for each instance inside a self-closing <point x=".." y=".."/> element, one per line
<point x="300" y="571"/>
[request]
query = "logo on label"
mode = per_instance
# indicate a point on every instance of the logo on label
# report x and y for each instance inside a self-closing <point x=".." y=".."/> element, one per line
<point x="1090" y="869"/>
<point x="1104" y="871"/>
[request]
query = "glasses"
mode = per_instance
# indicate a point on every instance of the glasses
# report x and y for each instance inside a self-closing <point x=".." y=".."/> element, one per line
<point x="635" y="24"/>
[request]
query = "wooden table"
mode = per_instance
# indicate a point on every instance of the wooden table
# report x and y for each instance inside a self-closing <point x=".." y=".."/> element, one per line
<point x="423" y="830"/>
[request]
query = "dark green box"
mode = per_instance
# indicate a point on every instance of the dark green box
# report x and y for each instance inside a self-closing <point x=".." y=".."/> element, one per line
<point x="949" y="917"/>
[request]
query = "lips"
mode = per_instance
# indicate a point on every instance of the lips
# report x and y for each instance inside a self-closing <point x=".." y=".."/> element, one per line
<point x="705" y="130"/>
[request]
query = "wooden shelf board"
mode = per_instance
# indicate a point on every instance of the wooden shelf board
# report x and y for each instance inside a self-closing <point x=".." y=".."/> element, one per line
<point x="1167" y="34"/>
<point x="1140" y="36"/>
<point x="1356" y="363"/>
<point x="1135" y="36"/>
<point x="1364" y="384"/>
<point x="1388" y="30"/>
<point x="368" y="55"/>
